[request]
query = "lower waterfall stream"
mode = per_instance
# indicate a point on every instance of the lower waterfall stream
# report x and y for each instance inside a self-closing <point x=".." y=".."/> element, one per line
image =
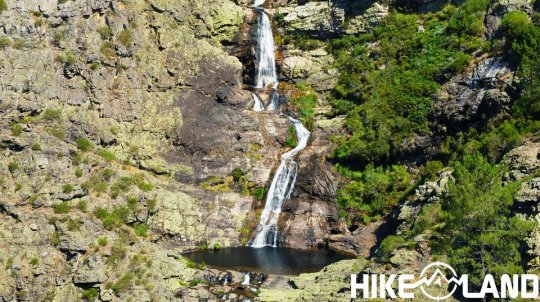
<point x="265" y="253"/>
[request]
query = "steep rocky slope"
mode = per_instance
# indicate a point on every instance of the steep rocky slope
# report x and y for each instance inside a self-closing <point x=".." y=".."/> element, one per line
<point x="127" y="140"/>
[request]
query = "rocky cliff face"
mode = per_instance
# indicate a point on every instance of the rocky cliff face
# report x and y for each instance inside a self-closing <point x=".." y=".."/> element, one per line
<point x="130" y="109"/>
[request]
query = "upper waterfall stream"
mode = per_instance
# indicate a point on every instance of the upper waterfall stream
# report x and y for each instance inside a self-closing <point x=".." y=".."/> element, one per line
<point x="284" y="180"/>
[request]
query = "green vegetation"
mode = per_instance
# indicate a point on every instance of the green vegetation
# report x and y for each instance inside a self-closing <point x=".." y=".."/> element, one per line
<point x="516" y="23"/>
<point x="107" y="155"/>
<point x="57" y="131"/>
<point x="386" y="91"/>
<point x="78" y="173"/>
<point x="36" y="147"/>
<point x="13" y="166"/>
<point x="16" y="129"/>
<point x="291" y="140"/>
<point x="107" y="49"/>
<point x="84" y="144"/>
<point x="105" y="32"/>
<point x="391" y="243"/>
<point x="480" y="234"/>
<point x="237" y="174"/>
<point x="82" y="205"/>
<point x="4" y="41"/>
<point x="114" y="219"/>
<point x="51" y="114"/>
<point x="258" y="193"/>
<point x="34" y="261"/>
<point x="3" y="6"/>
<point x="126" y="38"/>
<point x="385" y="106"/>
<point x="373" y="192"/>
<point x="67" y="188"/>
<point x="103" y="241"/>
<point x="141" y="229"/>
<point x="90" y="294"/>
<point x="62" y="208"/>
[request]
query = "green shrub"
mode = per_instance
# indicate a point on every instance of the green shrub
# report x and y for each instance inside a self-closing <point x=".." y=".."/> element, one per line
<point x="67" y="188"/>
<point x="126" y="38"/>
<point x="144" y="186"/>
<point x="95" y="65"/>
<point x="217" y="246"/>
<point x="114" y="219"/>
<point x="391" y="243"/>
<point x="141" y="229"/>
<point x="469" y="18"/>
<point x="237" y="174"/>
<point x="36" y="147"/>
<point x="258" y="193"/>
<point x="51" y="114"/>
<point x="62" y="208"/>
<point x="292" y="139"/>
<point x="34" y="261"/>
<point x="16" y="129"/>
<point x="90" y="294"/>
<point x="105" y="32"/>
<point x="107" y="155"/>
<point x="132" y="202"/>
<point x="78" y="173"/>
<point x="103" y="241"/>
<point x="107" y="49"/>
<point x="84" y="144"/>
<point x="4" y="41"/>
<point x="13" y="166"/>
<point x="375" y="191"/>
<point x="151" y="204"/>
<point x="3" y="6"/>
<point x="515" y="23"/>
<point x="82" y="206"/>
<point x="57" y="131"/>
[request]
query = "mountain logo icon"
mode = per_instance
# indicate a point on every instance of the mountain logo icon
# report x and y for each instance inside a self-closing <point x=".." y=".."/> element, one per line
<point x="434" y="276"/>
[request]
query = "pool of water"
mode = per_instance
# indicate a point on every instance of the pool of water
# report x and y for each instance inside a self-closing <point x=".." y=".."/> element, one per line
<point x="269" y="260"/>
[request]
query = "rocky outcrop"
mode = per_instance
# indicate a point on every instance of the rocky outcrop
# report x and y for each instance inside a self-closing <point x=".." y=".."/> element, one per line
<point x="325" y="19"/>
<point x="311" y="67"/>
<point x="498" y="9"/>
<point x="473" y="97"/>
<point x="524" y="165"/>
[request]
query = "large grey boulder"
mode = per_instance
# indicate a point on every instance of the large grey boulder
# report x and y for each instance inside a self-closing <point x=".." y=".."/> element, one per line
<point x="325" y="19"/>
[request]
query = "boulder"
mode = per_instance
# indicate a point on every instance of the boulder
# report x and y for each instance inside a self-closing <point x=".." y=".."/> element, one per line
<point x="324" y="19"/>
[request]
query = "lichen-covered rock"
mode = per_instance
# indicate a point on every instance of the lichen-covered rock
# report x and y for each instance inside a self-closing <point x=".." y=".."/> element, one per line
<point x="325" y="19"/>
<point x="498" y="9"/>
<point x="473" y="97"/>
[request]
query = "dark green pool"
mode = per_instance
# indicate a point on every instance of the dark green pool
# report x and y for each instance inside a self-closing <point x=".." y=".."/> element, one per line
<point x="269" y="260"/>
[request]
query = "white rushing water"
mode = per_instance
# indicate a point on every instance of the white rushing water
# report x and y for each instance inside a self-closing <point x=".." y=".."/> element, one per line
<point x="246" y="279"/>
<point x="280" y="190"/>
<point x="258" y="104"/>
<point x="274" y="101"/>
<point x="265" y="58"/>
<point x="258" y="3"/>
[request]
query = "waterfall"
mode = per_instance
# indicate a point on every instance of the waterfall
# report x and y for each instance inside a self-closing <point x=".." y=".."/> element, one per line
<point x="275" y="101"/>
<point x="246" y="279"/>
<point x="284" y="180"/>
<point x="258" y="3"/>
<point x="258" y="104"/>
<point x="265" y="58"/>
<point x="280" y="190"/>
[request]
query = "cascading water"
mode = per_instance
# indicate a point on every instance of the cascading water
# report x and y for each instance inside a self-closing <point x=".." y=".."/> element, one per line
<point x="265" y="58"/>
<point x="284" y="180"/>
<point x="257" y="103"/>
<point x="275" y="101"/>
<point x="258" y="3"/>
<point x="280" y="190"/>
